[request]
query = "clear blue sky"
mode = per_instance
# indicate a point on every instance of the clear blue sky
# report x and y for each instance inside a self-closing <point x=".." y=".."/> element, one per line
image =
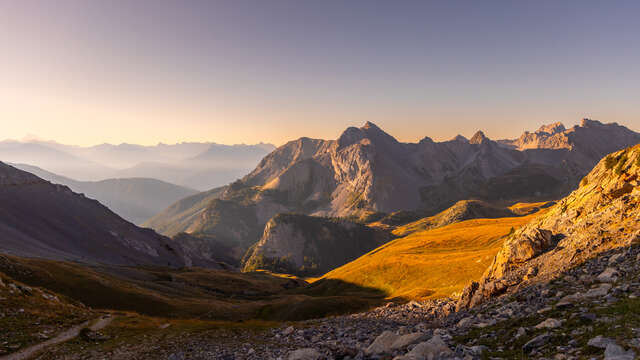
<point x="249" y="71"/>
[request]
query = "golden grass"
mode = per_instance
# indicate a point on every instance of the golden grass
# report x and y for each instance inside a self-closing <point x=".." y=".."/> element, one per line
<point x="527" y="208"/>
<point x="431" y="263"/>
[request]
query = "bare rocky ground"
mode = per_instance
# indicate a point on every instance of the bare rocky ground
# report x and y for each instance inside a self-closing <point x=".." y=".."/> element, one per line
<point x="589" y="312"/>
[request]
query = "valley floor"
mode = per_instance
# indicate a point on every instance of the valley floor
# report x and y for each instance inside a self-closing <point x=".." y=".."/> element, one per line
<point x="591" y="311"/>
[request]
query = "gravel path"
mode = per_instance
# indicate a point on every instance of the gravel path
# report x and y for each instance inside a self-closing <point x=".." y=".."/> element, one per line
<point x="67" y="335"/>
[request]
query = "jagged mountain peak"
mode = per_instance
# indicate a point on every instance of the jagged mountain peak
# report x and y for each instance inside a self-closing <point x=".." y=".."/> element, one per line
<point x="553" y="128"/>
<point x="586" y="122"/>
<point x="460" y="138"/>
<point x="478" y="138"/>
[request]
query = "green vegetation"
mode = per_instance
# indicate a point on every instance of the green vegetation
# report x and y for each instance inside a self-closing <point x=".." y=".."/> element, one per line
<point x="180" y="293"/>
<point x="621" y="163"/>
<point x="584" y="181"/>
<point x="29" y="314"/>
<point x="624" y="315"/>
<point x="609" y="162"/>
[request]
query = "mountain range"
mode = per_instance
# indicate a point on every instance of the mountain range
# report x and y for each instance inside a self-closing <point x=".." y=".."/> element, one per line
<point x="194" y="165"/>
<point x="366" y="173"/>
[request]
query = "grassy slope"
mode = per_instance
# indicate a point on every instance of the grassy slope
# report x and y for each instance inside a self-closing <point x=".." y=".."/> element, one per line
<point x="430" y="263"/>
<point x="188" y="293"/>
<point x="31" y="315"/>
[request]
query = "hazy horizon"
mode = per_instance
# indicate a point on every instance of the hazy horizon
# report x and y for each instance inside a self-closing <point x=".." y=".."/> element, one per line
<point x="230" y="72"/>
<point x="468" y="134"/>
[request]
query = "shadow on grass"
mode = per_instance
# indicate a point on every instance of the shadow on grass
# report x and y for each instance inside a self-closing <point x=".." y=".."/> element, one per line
<point x="194" y="292"/>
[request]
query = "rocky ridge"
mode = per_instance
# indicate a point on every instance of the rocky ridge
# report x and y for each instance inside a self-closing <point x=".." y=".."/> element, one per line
<point x="602" y="214"/>
<point x="367" y="171"/>
<point x="311" y="246"/>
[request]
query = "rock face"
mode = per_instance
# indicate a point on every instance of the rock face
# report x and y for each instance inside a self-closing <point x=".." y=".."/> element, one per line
<point x="367" y="171"/>
<point x="600" y="215"/>
<point x="41" y="219"/>
<point x="307" y="245"/>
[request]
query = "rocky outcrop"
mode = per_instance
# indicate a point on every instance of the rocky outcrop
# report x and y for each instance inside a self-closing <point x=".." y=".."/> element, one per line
<point x="367" y="171"/>
<point x="307" y="245"/>
<point x="602" y="214"/>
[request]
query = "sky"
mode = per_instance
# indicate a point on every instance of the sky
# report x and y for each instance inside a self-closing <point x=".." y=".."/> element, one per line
<point x="86" y="72"/>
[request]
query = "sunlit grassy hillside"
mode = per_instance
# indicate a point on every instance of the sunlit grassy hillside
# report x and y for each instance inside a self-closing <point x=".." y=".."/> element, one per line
<point x="431" y="263"/>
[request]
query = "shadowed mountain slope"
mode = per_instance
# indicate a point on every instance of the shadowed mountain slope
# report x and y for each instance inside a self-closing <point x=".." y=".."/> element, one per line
<point x="41" y="219"/>
<point x="305" y="245"/>
<point x="135" y="199"/>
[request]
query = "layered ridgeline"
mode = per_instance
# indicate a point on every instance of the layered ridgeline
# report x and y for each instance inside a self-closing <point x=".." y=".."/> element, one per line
<point x="603" y="213"/>
<point x="366" y="171"/>
<point x="135" y="199"/>
<point x="193" y="165"/>
<point x="41" y="219"/>
<point x="308" y="246"/>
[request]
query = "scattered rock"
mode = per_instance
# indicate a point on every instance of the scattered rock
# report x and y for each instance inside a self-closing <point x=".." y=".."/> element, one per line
<point x="609" y="275"/>
<point x="550" y="323"/>
<point x="600" y="342"/>
<point x="382" y="344"/>
<point x="433" y="349"/>
<point x="616" y="352"/>
<point x="408" y="339"/>
<point x="600" y="291"/>
<point x="305" y="354"/>
<point x="537" y="342"/>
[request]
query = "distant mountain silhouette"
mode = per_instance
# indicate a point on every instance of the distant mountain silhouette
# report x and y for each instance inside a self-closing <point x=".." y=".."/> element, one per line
<point x="194" y="165"/>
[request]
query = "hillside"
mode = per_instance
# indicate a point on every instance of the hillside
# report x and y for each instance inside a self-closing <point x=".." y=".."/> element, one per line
<point x="462" y="210"/>
<point x="41" y="219"/>
<point x="134" y="199"/>
<point x="308" y="246"/>
<point x="31" y="315"/>
<point x="430" y="263"/>
<point x="600" y="215"/>
<point x="366" y="171"/>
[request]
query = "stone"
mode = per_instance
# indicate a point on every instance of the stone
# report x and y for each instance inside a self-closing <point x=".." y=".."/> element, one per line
<point x="465" y="322"/>
<point x="600" y="291"/>
<point x="615" y="258"/>
<point x="568" y="300"/>
<point x="536" y="342"/>
<point x="176" y="356"/>
<point x="521" y="332"/>
<point x="550" y="323"/>
<point x="288" y="331"/>
<point x="408" y="339"/>
<point x="600" y="342"/>
<point x="382" y="344"/>
<point x="478" y="350"/>
<point x="433" y="349"/>
<point x="609" y="275"/>
<point x="616" y="352"/>
<point x="305" y="354"/>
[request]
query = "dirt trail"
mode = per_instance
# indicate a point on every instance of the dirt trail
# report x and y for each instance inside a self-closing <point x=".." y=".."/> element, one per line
<point x="67" y="335"/>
